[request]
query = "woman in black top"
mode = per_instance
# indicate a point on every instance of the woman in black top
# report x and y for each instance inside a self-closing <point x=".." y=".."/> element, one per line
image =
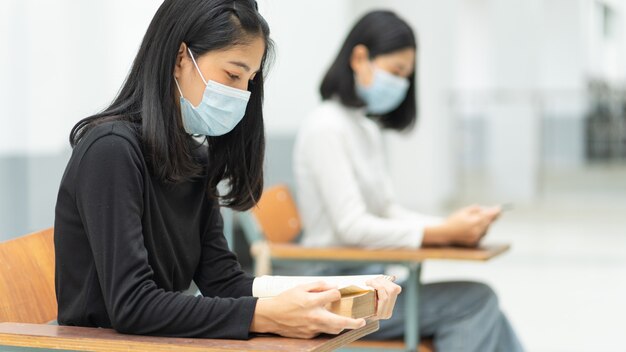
<point x="137" y="215"/>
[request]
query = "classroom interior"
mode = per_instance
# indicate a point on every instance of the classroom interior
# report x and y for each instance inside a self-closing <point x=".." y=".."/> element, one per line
<point x="520" y="102"/>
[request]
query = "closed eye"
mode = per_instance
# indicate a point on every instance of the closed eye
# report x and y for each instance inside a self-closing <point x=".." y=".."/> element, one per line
<point x="233" y="76"/>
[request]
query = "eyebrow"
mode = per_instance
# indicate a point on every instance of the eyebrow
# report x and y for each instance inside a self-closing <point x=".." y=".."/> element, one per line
<point x="241" y="64"/>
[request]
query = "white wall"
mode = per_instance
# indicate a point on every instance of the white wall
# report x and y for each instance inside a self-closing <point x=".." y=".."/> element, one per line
<point x="474" y="66"/>
<point x="605" y="55"/>
<point x="60" y="61"/>
<point x="513" y="119"/>
<point x="521" y="74"/>
<point x="562" y="59"/>
<point x="307" y="34"/>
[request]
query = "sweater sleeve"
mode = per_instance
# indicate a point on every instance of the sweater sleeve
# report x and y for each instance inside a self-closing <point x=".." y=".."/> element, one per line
<point x="109" y="197"/>
<point x="331" y="166"/>
<point x="219" y="272"/>
<point x="396" y="211"/>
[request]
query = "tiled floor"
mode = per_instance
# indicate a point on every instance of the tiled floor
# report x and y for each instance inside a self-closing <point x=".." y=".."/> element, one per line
<point x="563" y="284"/>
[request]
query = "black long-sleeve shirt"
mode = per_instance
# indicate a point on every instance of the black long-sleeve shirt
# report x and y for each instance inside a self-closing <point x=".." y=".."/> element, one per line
<point x="127" y="244"/>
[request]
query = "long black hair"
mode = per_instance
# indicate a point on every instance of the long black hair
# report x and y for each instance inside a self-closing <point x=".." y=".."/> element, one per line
<point x="382" y="32"/>
<point x="147" y="97"/>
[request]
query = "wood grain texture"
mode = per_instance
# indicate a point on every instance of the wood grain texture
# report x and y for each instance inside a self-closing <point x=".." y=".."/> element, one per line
<point x="108" y="340"/>
<point x="296" y="252"/>
<point x="27" y="278"/>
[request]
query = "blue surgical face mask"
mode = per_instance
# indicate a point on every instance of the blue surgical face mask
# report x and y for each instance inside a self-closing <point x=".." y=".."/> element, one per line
<point x="221" y="109"/>
<point x="385" y="94"/>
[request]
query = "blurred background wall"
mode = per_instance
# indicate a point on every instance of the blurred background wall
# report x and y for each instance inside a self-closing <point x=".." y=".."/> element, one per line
<point x="520" y="101"/>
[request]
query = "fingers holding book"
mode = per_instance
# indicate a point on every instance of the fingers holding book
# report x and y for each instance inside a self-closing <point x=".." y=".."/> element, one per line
<point x="305" y="306"/>
<point x="321" y="292"/>
<point x="386" y="292"/>
<point x="301" y="312"/>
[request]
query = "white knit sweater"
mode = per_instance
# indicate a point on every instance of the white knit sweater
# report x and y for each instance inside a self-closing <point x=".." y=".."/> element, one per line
<point x="344" y="191"/>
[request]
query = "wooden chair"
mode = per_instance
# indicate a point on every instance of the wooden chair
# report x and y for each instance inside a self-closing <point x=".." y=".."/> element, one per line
<point x="27" y="279"/>
<point x="274" y="224"/>
<point x="28" y="300"/>
<point x="275" y="220"/>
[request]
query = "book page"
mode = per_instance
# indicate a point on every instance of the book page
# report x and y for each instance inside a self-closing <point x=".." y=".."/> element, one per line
<point x="268" y="286"/>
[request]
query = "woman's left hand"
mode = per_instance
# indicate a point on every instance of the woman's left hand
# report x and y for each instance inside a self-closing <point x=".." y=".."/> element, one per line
<point x="387" y="293"/>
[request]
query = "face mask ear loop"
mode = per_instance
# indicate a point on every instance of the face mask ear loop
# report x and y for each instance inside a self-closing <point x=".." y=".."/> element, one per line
<point x="197" y="68"/>
<point x="178" y="86"/>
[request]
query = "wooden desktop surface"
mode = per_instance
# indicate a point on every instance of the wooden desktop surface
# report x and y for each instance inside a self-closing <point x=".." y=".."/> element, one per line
<point x="108" y="340"/>
<point x="296" y="252"/>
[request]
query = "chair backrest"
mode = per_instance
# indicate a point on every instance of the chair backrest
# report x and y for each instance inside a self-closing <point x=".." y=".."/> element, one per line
<point x="27" y="292"/>
<point x="277" y="215"/>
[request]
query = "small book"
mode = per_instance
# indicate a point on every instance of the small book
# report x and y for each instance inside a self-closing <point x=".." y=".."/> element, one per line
<point x="355" y="305"/>
<point x="357" y="299"/>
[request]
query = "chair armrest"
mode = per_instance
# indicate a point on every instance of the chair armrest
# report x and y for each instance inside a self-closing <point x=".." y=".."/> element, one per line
<point x="355" y="254"/>
<point x="107" y="340"/>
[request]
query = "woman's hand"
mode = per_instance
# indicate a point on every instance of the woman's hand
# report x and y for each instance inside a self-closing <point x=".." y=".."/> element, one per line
<point x="300" y="312"/>
<point x="465" y="227"/>
<point x="387" y="293"/>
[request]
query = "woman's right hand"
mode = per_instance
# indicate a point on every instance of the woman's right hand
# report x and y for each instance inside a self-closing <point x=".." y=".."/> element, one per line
<point x="300" y="312"/>
<point x="465" y="227"/>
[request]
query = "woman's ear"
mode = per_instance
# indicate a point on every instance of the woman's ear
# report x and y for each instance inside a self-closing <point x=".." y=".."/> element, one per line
<point x="360" y="64"/>
<point x="180" y="60"/>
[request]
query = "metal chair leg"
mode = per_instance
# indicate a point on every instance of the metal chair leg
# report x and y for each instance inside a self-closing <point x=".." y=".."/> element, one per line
<point x="411" y="325"/>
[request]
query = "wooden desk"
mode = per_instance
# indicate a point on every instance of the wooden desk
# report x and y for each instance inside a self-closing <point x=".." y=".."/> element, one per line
<point x="410" y="258"/>
<point x="287" y="251"/>
<point x="107" y="340"/>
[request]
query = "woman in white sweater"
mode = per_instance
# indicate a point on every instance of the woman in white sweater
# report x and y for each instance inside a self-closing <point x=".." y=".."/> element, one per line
<point x="346" y="197"/>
